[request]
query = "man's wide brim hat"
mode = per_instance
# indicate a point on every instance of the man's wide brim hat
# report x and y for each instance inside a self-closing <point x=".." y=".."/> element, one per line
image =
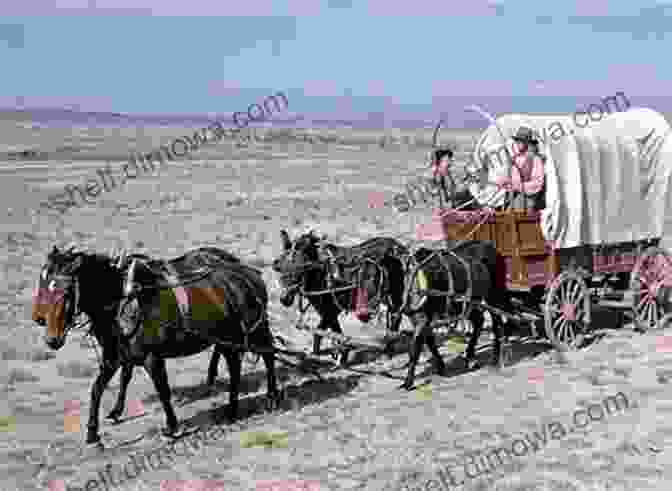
<point x="443" y="152"/>
<point x="525" y="135"/>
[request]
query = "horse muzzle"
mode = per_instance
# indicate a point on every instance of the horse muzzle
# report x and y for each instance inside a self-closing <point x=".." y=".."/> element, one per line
<point x="287" y="293"/>
<point x="54" y="343"/>
<point x="287" y="297"/>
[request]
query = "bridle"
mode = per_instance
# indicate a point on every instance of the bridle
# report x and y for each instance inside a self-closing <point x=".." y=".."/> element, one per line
<point x="319" y="265"/>
<point x="299" y="271"/>
<point x="71" y="294"/>
<point x="70" y="285"/>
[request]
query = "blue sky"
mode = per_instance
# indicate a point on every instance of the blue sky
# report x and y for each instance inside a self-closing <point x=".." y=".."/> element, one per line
<point x="336" y="56"/>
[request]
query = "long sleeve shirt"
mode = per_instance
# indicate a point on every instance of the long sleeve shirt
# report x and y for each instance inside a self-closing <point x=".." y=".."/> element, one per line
<point x="527" y="174"/>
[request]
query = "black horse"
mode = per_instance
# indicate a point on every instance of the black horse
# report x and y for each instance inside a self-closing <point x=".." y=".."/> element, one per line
<point x="446" y="273"/>
<point x="204" y="256"/>
<point x="229" y="310"/>
<point x="311" y="265"/>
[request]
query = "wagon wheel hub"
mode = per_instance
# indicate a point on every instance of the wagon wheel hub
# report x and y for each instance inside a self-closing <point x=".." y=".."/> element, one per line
<point x="568" y="311"/>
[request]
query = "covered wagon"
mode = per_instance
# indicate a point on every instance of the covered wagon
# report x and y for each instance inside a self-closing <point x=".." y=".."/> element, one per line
<point x="608" y="194"/>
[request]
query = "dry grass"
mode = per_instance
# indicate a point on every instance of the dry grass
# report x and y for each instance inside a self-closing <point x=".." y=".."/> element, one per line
<point x="352" y="430"/>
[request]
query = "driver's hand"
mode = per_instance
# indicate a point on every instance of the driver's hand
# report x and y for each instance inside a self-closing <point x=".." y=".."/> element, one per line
<point x="442" y="169"/>
<point x="504" y="182"/>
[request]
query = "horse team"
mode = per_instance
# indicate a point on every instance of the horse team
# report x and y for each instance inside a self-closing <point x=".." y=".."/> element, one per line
<point x="227" y="306"/>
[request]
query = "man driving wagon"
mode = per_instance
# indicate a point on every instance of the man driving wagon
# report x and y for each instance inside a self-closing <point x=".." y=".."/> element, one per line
<point x="526" y="181"/>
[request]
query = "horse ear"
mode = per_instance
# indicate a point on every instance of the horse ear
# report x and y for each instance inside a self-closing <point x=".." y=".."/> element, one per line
<point x="130" y="276"/>
<point x="122" y="259"/>
<point x="286" y="242"/>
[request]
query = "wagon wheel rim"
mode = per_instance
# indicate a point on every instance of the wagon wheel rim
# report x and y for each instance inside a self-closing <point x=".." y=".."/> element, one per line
<point x="567" y="311"/>
<point x="651" y="271"/>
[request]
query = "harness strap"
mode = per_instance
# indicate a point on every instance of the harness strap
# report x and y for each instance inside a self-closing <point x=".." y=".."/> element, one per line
<point x="181" y="293"/>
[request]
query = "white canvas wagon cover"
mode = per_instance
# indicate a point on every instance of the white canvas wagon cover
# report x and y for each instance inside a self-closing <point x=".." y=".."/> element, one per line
<point x="606" y="183"/>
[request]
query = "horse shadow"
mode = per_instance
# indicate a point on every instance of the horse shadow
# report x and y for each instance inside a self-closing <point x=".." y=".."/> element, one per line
<point x="297" y="395"/>
<point x="251" y="382"/>
<point x="522" y="345"/>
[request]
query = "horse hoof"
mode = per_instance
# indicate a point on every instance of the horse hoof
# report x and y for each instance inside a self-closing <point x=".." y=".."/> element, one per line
<point x="273" y="403"/>
<point x="93" y="449"/>
<point x="232" y="414"/>
<point x="407" y="386"/>
<point x="92" y="441"/>
<point x="472" y="365"/>
<point x="114" y="416"/>
<point x="169" y="432"/>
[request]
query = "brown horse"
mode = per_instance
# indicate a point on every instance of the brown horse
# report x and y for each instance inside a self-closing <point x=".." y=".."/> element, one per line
<point x="228" y="301"/>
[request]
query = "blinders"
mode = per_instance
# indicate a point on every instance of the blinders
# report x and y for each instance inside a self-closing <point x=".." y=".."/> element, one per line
<point x="70" y="285"/>
<point x="61" y="289"/>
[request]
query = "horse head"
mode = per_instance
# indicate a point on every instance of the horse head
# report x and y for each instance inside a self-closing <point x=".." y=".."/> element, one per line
<point x="296" y="261"/>
<point x="72" y="282"/>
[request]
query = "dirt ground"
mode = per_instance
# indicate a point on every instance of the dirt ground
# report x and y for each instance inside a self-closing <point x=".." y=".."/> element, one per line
<point x="352" y="430"/>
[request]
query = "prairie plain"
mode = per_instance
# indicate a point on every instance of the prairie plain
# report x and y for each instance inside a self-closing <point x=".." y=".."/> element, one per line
<point x="352" y="430"/>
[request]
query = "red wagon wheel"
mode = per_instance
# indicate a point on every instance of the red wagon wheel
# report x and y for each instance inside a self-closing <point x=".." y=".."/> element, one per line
<point x="567" y="311"/>
<point x="652" y="271"/>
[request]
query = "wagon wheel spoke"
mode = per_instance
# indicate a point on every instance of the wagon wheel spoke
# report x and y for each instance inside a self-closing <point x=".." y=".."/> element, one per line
<point x="575" y="295"/>
<point x="555" y="310"/>
<point x="561" y="294"/>
<point x="568" y="329"/>
<point x="560" y="330"/>
<point x="652" y="313"/>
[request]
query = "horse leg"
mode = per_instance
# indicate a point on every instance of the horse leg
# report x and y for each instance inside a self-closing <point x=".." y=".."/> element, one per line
<point x="214" y="365"/>
<point x="421" y="321"/>
<point x="273" y="394"/>
<point x="156" y="367"/>
<point x="397" y="294"/>
<point x="498" y="331"/>
<point x="336" y="327"/>
<point x="107" y="370"/>
<point x="233" y="360"/>
<point x="317" y="340"/>
<point x="476" y="318"/>
<point x="430" y="339"/>
<point x="126" y="376"/>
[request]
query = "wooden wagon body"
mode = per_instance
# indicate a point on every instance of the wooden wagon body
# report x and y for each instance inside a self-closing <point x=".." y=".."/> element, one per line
<point x="530" y="261"/>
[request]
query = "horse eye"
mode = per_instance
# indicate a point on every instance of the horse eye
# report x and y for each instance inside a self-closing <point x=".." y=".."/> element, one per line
<point x="52" y="285"/>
